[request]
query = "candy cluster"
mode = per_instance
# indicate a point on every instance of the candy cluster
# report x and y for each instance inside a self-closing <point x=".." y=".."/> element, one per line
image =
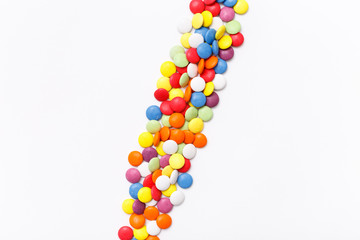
<point x="187" y="92"/>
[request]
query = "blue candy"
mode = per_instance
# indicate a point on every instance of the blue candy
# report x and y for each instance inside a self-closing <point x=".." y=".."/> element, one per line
<point x="153" y="113"/>
<point x="220" y="1"/>
<point x="220" y="67"/>
<point x="210" y="36"/>
<point x="202" y="31"/>
<point x="215" y="47"/>
<point x="185" y="180"/>
<point x="204" y="50"/>
<point x="198" y="99"/>
<point x="134" y="189"/>
<point x="230" y="3"/>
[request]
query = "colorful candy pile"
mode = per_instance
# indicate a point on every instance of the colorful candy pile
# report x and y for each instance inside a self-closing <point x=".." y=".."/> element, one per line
<point x="187" y="94"/>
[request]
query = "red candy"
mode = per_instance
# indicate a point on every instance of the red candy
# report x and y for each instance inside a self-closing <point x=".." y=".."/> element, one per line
<point x="208" y="2"/>
<point x="125" y="233"/>
<point x="214" y="9"/>
<point x="181" y="70"/>
<point x="186" y="166"/>
<point x="161" y="94"/>
<point x="178" y="104"/>
<point x="208" y="75"/>
<point x="148" y="182"/>
<point x="192" y="55"/>
<point x="165" y="108"/>
<point x="174" y="80"/>
<point x="186" y="108"/>
<point x="155" y="193"/>
<point x="197" y="6"/>
<point x="237" y="39"/>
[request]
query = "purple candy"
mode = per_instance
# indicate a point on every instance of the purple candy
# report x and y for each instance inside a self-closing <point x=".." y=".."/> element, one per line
<point x="226" y="54"/>
<point x="212" y="100"/>
<point x="149" y="153"/>
<point x="138" y="207"/>
<point x="133" y="175"/>
<point x="164" y="205"/>
<point x="227" y="14"/>
<point x="164" y="161"/>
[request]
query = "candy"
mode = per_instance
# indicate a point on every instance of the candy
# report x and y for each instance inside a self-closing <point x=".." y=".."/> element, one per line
<point x="155" y="175"/>
<point x="186" y="166"/>
<point x="192" y="70"/>
<point x="176" y="160"/>
<point x="148" y="182"/>
<point x="207" y="18"/>
<point x="170" y="147"/>
<point x="226" y="54"/>
<point x="212" y="100"/>
<point x="176" y="49"/>
<point x="197" y="84"/>
<point x="144" y="169"/>
<point x="152" y="203"/>
<point x="164" y="221"/>
<point x="205" y="113"/>
<point x="127" y="206"/>
<point x="241" y="7"/>
<point x="227" y="14"/>
<point x="153" y="113"/>
<point x="189" y="136"/>
<point x="160" y="150"/>
<point x="184" y="25"/>
<point x="196" y="125"/>
<point x="176" y="120"/>
<point x="162" y="183"/>
<point x="211" y="62"/>
<point x="169" y="191"/>
<point x="174" y="80"/>
<point x="197" y="6"/>
<point x="134" y="189"/>
<point x="221" y="67"/>
<point x="165" y="120"/>
<point x="154" y="164"/>
<point x="125" y="233"/>
<point x="141" y="234"/>
<point x="210" y="36"/>
<point x="185" y="180"/>
<point x="195" y="40"/>
<point x="177" y="135"/>
<point x="177" y="198"/>
<point x="198" y="99"/>
<point x="133" y="175"/>
<point x="233" y="27"/>
<point x="135" y="158"/>
<point x="237" y="39"/>
<point x="184" y="40"/>
<point x="214" y="9"/>
<point x="217" y="23"/>
<point x="164" y="161"/>
<point x="189" y="151"/>
<point x="137" y="221"/>
<point x="180" y="60"/>
<point x="177" y="104"/>
<point x="230" y="3"/>
<point x="204" y="50"/>
<point x="152" y="228"/>
<point x="215" y="47"/>
<point x="191" y="113"/>
<point x="138" y="207"/>
<point x="220" y="32"/>
<point x="149" y="153"/>
<point x="153" y="126"/>
<point x="176" y="92"/>
<point x="208" y="2"/>
<point x="225" y="42"/>
<point x="200" y="140"/>
<point x="155" y="193"/>
<point x="202" y="31"/>
<point x="174" y="176"/>
<point x="165" y="108"/>
<point x="208" y="75"/>
<point x="193" y="57"/>
<point x="184" y="79"/>
<point x="167" y="171"/>
<point x="164" y="205"/>
<point x="164" y="83"/>
<point x="167" y="69"/>
<point x="144" y="195"/>
<point x="161" y="94"/>
<point x="197" y="20"/>
<point x="151" y="213"/>
<point x="209" y="89"/>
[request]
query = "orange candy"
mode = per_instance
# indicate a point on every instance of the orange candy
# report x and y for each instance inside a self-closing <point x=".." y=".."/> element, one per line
<point x="211" y="62"/>
<point x="156" y="174"/>
<point x="164" y="133"/>
<point x="201" y="66"/>
<point x="137" y="221"/>
<point x="187" y="95"/>
<point x="200" y="140"/>
<point x="152" y="238"/>
<point x="157" y="139"/>
<point x="135" y="158"/>
<point x="177" y="135"/>
<point x="189" y="137"/>
<point x="176" y="120"/>
<point x="164" y="221"/>
<point x="151" y="213"/>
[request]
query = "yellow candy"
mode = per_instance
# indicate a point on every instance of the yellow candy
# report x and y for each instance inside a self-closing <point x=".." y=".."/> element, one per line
<point x="127" y="206"/>
<point x="167" y="171"/>
<point x="144" y="195"/>
<point x="241" y="7"/>
<point x="185" y="40"/>
<point x="190" y="104"/>
<point x="208" y="18"/>
<point x="209" y="88"/>
<point x="220" y="32"/>
<point x="160" y="150"/>
<point x="197" y="20"/>
<point x="141" y="234"/>
<point x="164" y="82"/>
<point x="146" y="139"/>
<point x="176" y="92"/>
<point x="196" y="125"/>
<point x="167" y="69"/>
<point x="225" y="42"/>
<point x="169" y="191"/>
<point x="176" y="161"/>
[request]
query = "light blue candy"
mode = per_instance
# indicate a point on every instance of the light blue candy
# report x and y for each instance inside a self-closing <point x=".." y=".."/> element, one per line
<point x="185" y="180"/>
<point x="198" y="99"/>
<point x="210" y="36"/>
<point x="230" y="3"/>
<point x="153" y="113"/>
<point x="134" y="189"/>
<point x="215" y="47"/>
<point x="204" y="50"/>
<point x="221" y="66"/>
<point x="202" y="31"/>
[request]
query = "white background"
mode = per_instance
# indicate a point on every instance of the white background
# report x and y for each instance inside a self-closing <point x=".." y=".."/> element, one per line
<point x="283" y="158"/>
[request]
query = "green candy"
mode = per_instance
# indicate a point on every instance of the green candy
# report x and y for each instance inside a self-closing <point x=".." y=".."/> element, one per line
<point x="233" y="27"/>
<point x="154" y="164"/>
<point x="205" y="113"/>
<point x="185" y="126"/>
<point x="165" y="120"/>
<point x="175" y="50"/>
<point x="153" y="126"/>
<point x="180" y="60"/>
<point x="191" y="113"/>
<point x="181" y="147"/>
<point x="184" y="79"/>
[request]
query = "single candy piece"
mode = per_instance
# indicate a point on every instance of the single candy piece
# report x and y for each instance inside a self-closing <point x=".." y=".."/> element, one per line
<point x="241" y="7"/>
<point x="184" y="25"/>
<point x="221" y="67"/>
<point x="208" y="74"/>
<point x="165" y="108"/>
<point x="174" y="176"/>
<point x="197" y="6"/>
<point x="144" y="169"/>
<point x="174" y="80"/>
<point x="210" y="36"/>
<point x="141" y="234"/>
<point x="219" y="82"/>
<point x="185" y="180"/>
<point x="177" y="120"/>
<point x="217" y="23"/>
<point x="153" y="126"/>
<point x="153" y="113"/>
<point x="213" y="8"/>
<point x="184" y="40"/>
<point x="180" y="60"/>
<point x="177" y="198"/>
<point x="127" y="206"/>
<point x="189" y="151"/>
<point x="212" y="100"/>
<point x="146" y="139"/>
<point x="207" y="18"/>
<point x="163" y="82"/>
<point x="177" y="104"/>
<point x="237" y="39"/>
<point x="198" y="99"/>
<point x="192" y="70"/>
<point x="144" y="195"/>
<point x="137" y="221"/>
<point x="200" y="140"/>
<point x="125" y="233"/>
<point x="230" y="3"/>
<point x="176" y="160"/>
<point x="186" y="166"/>
<point x="189" y="136"/>
<point x="133" y="175"/>
<point x="167" y="171"/>
<point x="211" y="62"/>
<point x="152" y="238"/>
<point x="167" y="69"/>
<point x="208" y="2"/>
<point x="226" y="54"/>
<point x="155" y="175"/>
<point x="152" y="228"/>
<point x="154" y="164"/>
<point x="192" y="56"/>
<point x="191" y="113"/>
<point x="196" y="125"/>
<point x="227" y="14"/>
<point x="135" y="158"/>
<point x="164" y="205"/>
<point x="161" y="94"/>
<point x="209" y="89"/>
<point x="202" y="31"/>
<point x="176" y="92"/>
<point x="197" y="20"/>
<point x="176" y="49"/>
<point x="164" y="161"/>
<point x="155" y="193"/>
<point x="204" y="50"/>
<point x="169" y="191"/>
<point x="184" y="79"/>
<point x="162" y="183"/>
<point x="233" y="27"/>
<point x="215" y="47"/>
<point x="148" y="182"/>
<point x="134" y="189"/>
<point x="151" y="213"/>
<point x="195" y="40"/>
<point x="197" y="84"/>
<point x="170" y="147"/>
<point x="177" y="135"/>
<point x="164" y="221"/>
<point x="220" y="32"/>
<point x="205" y="113"/>
<point x="138" y="207"/>
<point x="149" y="153"/>
<point x="225" y="42"/>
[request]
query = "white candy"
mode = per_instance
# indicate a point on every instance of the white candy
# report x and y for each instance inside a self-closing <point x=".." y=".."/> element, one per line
<point x="152" y="228"/>
<point x="198" y="84"/>
<point x="174" y="176"/>
<point x="195" y="40"/>
<point x="144" y="169"/>
<point x="170" y="147"/>
<point x="162" y="183"/>
<point x="189" y="151"/>
<point x="184" y="25"/>
<point x="216" y="23"/>
<point x="192" y="70"/>
<point x="177" y="198"/>
<point x="219" y="82"/>
<point x="152" y="203"/>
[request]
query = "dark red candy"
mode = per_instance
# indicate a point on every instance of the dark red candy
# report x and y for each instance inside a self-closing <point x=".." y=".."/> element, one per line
<point x="214" y="9"/>
<point x="192" y="55"/>
<point x="181" y="70"/>
<point x="161" y="94"/>
<point x="208" y="75"/>
<point x="165" y="108"/>
<point x="155" y="193"/>
<point x="174" y="80"/>
<point x="186" y="166"/>
<point x="178" y="104"/>
<point x="148" y="182"/>
<point x="237" y="39"/>
<point x="197" y="6"/>
<point x="125" y="233"/>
